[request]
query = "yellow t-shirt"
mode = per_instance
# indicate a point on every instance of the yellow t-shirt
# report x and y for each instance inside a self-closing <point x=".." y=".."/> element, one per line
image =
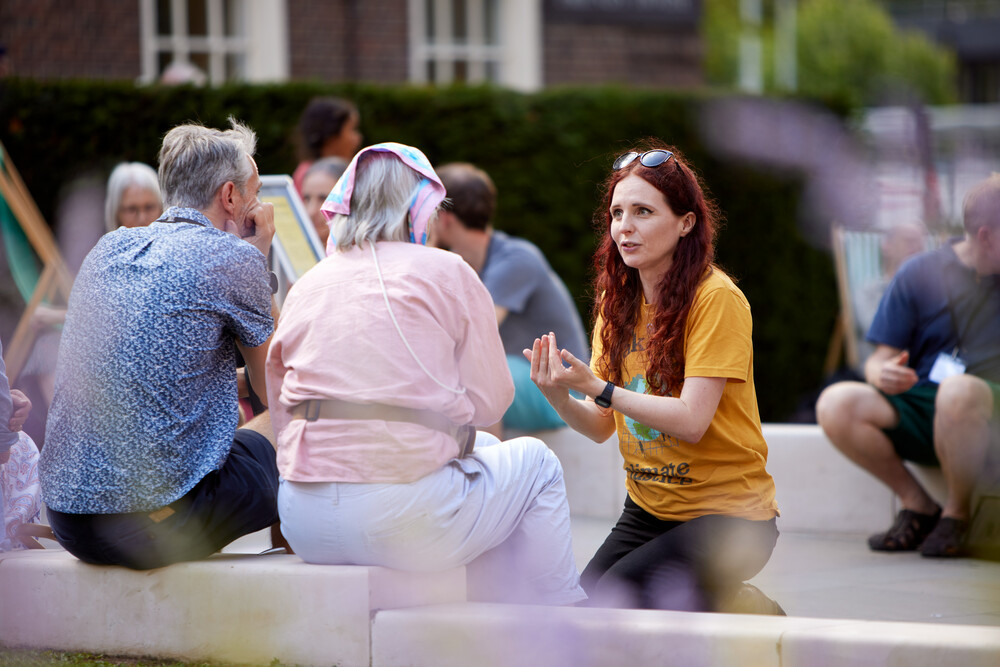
<point x="723" y="473"/>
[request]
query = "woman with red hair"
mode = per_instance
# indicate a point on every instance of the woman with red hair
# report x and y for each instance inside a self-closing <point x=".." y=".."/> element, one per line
<point x="672" y="372"/>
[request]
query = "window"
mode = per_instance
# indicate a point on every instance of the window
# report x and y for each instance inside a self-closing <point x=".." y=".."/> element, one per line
<point x="476" y="41"/>
<point x="210" y="40"/>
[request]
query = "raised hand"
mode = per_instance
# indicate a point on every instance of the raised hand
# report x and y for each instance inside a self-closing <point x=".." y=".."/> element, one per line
<point x="257" y="226"/>
<point x="557" y="371"/>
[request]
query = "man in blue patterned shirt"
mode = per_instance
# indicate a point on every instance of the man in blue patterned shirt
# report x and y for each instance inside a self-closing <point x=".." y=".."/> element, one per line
<point x="143" y="465"/>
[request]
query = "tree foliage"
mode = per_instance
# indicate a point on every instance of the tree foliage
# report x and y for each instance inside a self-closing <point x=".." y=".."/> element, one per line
<point x="848" y="51"/>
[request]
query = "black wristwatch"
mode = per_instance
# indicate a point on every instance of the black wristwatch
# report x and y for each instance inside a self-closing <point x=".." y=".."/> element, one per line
<point x="604" y="400"/>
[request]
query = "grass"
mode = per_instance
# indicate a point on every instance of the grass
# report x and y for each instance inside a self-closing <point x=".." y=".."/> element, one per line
<point x="36" y="658"/>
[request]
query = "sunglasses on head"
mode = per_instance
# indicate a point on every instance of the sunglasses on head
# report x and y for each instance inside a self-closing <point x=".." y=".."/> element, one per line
<point x="653" y="158"/>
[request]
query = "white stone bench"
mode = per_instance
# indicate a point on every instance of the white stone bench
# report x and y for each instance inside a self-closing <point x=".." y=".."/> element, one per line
<point x="252" y="609"/>
<point x="501" y="635"/>
<point x="229" y="608"/>
<point x="817" y="488"/>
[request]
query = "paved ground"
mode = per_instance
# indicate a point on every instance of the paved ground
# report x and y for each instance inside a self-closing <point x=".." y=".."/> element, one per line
<point x="836" y="576"/>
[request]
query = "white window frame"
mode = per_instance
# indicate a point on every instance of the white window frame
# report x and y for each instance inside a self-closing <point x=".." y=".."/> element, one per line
<point x="264" y="44"/>
<point x="517" y="56"/>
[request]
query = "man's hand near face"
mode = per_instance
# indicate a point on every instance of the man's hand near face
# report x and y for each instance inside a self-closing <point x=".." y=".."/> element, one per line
<point x="257" y="226"/>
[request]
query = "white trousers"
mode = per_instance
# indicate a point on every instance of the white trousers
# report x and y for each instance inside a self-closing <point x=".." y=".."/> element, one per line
<point x="501" y="511"/>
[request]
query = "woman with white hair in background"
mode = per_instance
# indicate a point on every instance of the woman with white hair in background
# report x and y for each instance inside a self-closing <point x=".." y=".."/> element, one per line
<point x="386" y="356"/>
<point x="133" y="198"/>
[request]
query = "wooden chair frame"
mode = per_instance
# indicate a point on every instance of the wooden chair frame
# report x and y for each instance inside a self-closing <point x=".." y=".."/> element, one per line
<point x="55" y="282"/>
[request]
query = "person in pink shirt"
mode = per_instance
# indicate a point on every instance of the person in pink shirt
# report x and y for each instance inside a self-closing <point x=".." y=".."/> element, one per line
<point x="386" y="355"/>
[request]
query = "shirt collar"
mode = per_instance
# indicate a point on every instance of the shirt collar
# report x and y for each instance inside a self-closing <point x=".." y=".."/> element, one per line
<point x="182" y="214"/>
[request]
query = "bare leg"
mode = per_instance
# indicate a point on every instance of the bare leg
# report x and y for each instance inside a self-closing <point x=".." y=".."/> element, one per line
<point x="262" y="424"/>
<point x="963" y="409"/>
<point x="853" y="414"/>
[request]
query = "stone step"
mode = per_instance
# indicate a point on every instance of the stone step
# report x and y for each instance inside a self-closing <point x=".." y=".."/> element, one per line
<point x="489" y="635"/>
<point x="230" y="608"/>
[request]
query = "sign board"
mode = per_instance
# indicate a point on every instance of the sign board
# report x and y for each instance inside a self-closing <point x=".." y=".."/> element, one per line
<point x="296" y="248"/>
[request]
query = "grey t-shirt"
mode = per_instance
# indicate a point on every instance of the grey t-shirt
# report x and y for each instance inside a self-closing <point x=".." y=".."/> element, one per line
<point x="520" y="279"/>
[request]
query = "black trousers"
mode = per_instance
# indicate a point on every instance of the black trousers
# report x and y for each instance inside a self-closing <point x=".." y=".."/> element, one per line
<point x="650" y="563"/>
<point x="238" y="499"/>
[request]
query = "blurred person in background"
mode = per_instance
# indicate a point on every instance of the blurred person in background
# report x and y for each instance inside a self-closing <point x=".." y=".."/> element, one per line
<point x="529" y="299"/>
<point x="317" y="183"/>
<point x="931" y="393"/>
<point x="20" y="495"/>
<point x="328" y="127"/>
<point x="133" y="196"/>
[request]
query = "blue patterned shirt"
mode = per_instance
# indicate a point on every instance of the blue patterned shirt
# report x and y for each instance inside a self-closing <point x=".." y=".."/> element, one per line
<point x="145" y="399"/>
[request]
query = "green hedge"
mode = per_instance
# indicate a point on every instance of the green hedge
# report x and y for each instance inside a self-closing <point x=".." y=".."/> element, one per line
<point x="547" y="152"/>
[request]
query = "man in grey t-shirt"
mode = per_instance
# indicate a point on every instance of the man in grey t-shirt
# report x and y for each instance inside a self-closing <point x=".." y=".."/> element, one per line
<point x="529" y="298"/>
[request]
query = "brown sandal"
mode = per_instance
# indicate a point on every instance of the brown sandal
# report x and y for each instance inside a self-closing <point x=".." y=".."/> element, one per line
<point x="907" y="532"/>
<point x="947" y="540"/>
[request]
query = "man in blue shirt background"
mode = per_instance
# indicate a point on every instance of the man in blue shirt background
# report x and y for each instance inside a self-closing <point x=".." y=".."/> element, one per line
<point x="143" y="465"/>
<point x="529" y="298"/>
<point x="931" y="394"/>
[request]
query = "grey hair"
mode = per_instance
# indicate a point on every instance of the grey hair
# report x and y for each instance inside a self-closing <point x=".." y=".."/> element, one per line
<point x="195" y="161"/>
<point x="380" y="202"/>
<point x="334" y="167"/>
<point x="123" y="176"/>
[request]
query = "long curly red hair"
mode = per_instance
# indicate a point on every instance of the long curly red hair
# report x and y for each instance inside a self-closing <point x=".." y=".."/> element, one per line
<point x="618" y="292"/>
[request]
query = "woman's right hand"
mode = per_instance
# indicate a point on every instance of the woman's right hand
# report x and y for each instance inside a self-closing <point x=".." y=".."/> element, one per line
<point x="542" y="370"/>
<point x="557" y="371"/>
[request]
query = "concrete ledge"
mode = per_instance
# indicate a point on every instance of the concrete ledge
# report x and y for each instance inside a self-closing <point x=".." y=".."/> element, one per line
<point x="818" y="489"/>
<point x="595" y="480"/>
<point x="484" y="634"/>
<point x="230" y="608"/>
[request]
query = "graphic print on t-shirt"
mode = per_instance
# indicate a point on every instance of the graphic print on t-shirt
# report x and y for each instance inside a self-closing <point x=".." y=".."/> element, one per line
<point x="645" y="439"/>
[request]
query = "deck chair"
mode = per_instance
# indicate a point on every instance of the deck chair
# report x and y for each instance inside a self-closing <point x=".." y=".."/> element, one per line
<point x="857" y="257"/>
<point x="29" y="244"/>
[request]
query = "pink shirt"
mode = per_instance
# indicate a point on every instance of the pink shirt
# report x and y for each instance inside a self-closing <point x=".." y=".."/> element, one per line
<point x="335" y="339"/>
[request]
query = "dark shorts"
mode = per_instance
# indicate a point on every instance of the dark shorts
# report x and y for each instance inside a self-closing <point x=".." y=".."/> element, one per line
<point x="238" y="499"/>
<point x="913" y="437"/>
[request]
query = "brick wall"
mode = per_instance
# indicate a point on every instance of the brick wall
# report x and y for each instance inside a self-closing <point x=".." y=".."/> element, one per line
<point x="629" y="54"/>
<point x="62" y="39"/>
<point x="352" y="40"/>
<point x="336" y="40"/>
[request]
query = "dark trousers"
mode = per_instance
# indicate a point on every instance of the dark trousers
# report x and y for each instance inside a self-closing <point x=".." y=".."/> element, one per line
<point x="649" y="563"/>
<point x="238" y="499"/>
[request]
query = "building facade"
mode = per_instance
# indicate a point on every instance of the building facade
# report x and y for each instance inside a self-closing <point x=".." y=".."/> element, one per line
<point x="520" y="44"/>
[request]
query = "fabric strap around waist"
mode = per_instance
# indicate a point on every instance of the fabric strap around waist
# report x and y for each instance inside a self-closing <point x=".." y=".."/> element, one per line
<point x="332" y="408"/>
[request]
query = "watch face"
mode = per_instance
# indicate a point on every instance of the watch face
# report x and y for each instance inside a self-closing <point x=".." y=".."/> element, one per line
<point x="274" y="282"/>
